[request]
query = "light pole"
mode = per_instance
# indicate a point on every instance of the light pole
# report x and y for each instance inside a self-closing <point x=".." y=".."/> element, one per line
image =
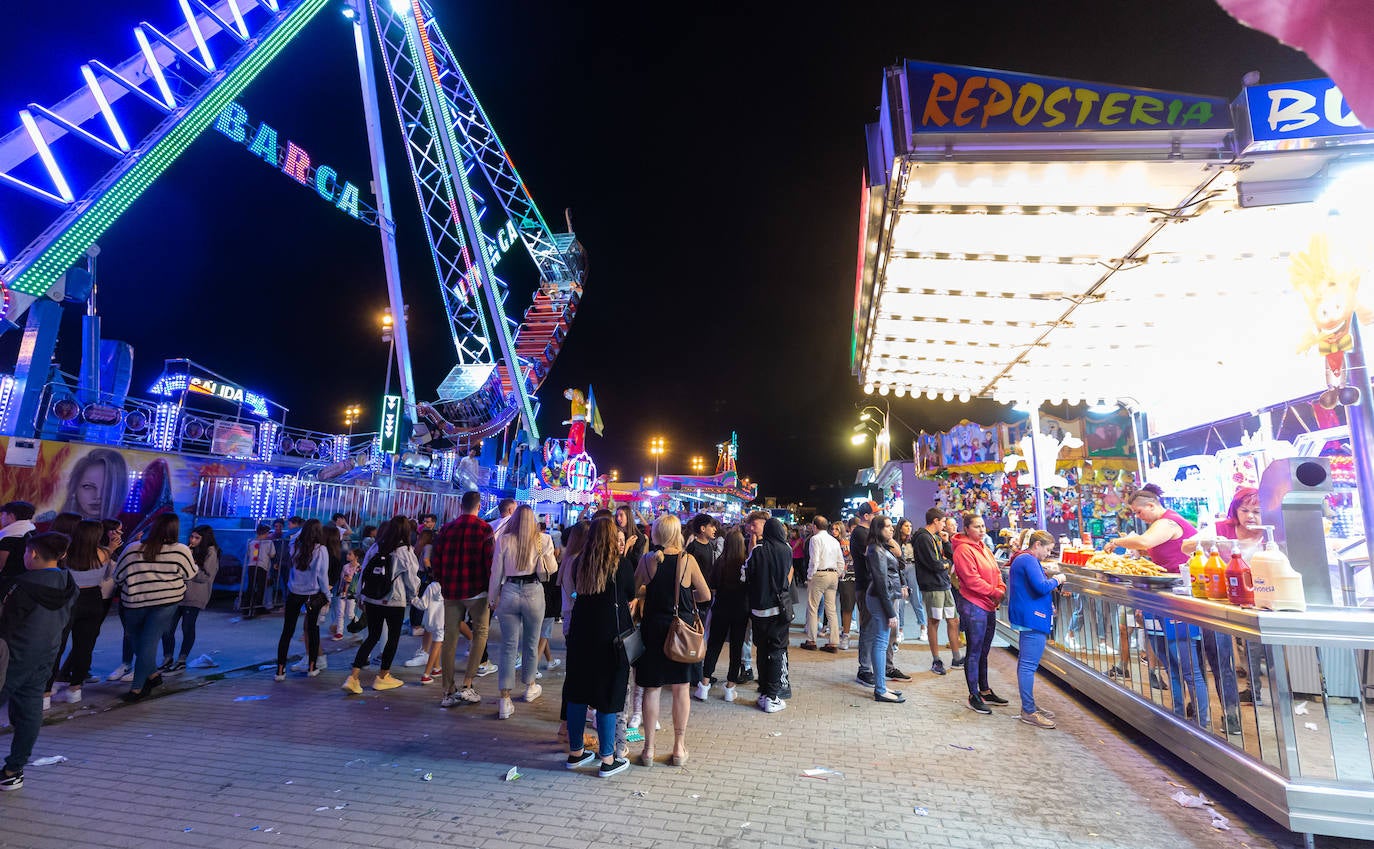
<point x="698" y="465"/>
<point x="881" y="440"/>
<point x="388" y="326"/>
<point x="657" y="446"/>
<point x="615" y="475"/>
<point x="352" y="413"/>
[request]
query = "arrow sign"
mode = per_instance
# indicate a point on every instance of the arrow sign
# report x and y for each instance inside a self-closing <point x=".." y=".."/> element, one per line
<point x="390" y="428"/>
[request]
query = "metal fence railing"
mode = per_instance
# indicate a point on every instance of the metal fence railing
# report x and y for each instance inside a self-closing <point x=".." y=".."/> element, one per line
<point x="265" y="496"/>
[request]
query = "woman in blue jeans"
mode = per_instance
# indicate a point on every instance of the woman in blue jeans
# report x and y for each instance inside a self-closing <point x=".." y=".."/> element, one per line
<point x="1181" y="646"/>
<point x="522" y="558"/>
<point x="151" y="577"/>
<point x="884" y="594"/>
<point x="1030" y="609"/>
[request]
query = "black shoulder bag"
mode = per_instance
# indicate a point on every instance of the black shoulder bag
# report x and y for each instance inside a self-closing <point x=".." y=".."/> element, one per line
<point x="629" y="642"/>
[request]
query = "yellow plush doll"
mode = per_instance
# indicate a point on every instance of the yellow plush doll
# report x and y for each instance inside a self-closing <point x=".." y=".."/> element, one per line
<point x="1332" y="304"/>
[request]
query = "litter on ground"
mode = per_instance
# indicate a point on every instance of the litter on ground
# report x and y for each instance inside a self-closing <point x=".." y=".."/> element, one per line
<point x="48" y="761"/>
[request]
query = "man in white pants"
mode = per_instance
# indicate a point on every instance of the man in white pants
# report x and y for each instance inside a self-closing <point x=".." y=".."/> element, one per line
<point x="824" y="567"/>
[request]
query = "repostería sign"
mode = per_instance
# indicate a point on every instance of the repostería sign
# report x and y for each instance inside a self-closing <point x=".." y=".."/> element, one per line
<point x="952" y="98"/>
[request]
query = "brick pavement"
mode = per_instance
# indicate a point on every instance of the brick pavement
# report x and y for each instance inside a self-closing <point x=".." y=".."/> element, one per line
<point x="257" y="773"/>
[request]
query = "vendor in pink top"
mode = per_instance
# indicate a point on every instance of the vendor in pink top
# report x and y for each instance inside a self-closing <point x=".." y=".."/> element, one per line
<point x="1163" y="539"/>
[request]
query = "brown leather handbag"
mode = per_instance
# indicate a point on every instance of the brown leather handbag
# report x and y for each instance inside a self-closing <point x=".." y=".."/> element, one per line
<point x="686" y="641"/>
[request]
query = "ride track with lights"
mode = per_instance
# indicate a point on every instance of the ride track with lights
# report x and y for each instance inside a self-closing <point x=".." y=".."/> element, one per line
<point x="183" y="82"/>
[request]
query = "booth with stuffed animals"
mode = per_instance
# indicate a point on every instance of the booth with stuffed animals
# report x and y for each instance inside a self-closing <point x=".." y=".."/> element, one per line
<point x="1195" y="264"/>
<point x="1087" y="470"/>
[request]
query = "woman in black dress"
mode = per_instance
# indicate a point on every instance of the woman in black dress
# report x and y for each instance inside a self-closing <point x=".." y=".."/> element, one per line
<point x="656" y="579"/>
<point x="598" y="673"/>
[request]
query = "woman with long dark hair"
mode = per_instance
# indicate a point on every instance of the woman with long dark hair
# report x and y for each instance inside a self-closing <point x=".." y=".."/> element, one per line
<point x="205" y="551"/>
<point x="729" y="616"/>
<point x="307" y="586"/>
<point x="152" y="577"/>
<point x="92" y="569"/>
<point x="390" y="582"/>
<point x="884" y="563"/>
<point x="598" y="672"/>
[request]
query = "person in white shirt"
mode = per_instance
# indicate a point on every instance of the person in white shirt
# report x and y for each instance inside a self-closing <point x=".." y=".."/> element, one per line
<point x="825" y="564"/>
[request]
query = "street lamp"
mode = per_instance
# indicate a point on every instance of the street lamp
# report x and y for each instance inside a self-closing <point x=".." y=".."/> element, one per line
<point x="698" y="465"/>
<point x="352" y="413"/>
<point x="881" y="439"/>
<point x="615" y="475"/>
<point x="657" y="446"/>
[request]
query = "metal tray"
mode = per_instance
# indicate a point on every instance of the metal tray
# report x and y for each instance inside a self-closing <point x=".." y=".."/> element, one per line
<point x="1155" y="582"/>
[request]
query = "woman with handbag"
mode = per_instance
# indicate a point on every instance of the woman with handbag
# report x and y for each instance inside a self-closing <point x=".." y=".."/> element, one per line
<point x="523" y="556"/>
<point x="601" y="643"/>
<point x="671" y="585"/>
<point x="307" y="586"/>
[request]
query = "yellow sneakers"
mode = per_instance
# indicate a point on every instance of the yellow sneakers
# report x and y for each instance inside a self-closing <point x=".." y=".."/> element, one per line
<point x="387" y="682"/>
<point x="353" y="685"/>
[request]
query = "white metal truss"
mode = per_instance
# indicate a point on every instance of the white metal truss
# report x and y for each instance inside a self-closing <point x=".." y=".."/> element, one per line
<point x="222" y="42"/>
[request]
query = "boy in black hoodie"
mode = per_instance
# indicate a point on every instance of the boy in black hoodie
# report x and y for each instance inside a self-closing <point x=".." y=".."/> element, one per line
<point x="34" y="612"/>
<point x="767" y="578"/>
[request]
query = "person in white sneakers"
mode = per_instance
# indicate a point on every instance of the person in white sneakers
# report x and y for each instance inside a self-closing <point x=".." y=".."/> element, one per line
<point x="729" y="617"/>
<point x="767" y="576"/>
<point x="521" y="557"/>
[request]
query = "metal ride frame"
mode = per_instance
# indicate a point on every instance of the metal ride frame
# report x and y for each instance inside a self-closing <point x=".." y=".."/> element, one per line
<point x="447" y="135"/>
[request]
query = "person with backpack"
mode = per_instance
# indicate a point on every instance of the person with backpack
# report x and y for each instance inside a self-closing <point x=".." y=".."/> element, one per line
<point x="308" y="586"/>
<point x="390" y="581"/>
<point x="35" y="611"/>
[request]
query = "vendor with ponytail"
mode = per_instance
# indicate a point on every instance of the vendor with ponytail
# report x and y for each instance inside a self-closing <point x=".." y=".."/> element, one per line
<point x="1165" y="532"/>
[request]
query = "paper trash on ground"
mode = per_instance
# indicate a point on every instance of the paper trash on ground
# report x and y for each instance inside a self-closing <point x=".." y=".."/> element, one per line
<point x="1310" y="726"/>
<point x="1220" y="823"/>
<point x="512" y="774"/>
<point x="1300" y="709"/>
<point x="823" y="773"/>
<point x="920" y="812"/>
<point x="48" y="761"/>
<point x="252" y="698"/>
<point x="205" y="661"/>
<point x="1188" y="801"/>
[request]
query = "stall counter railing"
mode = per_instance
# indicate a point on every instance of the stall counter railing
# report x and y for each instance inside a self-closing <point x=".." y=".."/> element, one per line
<point x="1274" y="706"/>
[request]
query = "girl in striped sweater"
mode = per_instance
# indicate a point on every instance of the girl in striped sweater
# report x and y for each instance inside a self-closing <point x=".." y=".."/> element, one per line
<point x="151" y="576"/>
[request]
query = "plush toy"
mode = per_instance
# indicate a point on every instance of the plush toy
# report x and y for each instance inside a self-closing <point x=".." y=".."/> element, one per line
<point x="577" y="422"/>
<point x="1331" y="298"/>
<point x="1045" y="459"/>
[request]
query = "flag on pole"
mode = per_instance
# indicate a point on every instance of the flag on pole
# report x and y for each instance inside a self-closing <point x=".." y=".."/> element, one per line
<point x="1336" y="34"/>
<point x="594" y="412"/>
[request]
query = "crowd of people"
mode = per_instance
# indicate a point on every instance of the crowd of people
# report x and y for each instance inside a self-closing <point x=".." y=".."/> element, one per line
<point x="644" y="606"/>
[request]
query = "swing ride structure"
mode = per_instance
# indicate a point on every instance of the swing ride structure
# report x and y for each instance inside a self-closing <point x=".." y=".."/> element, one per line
<point x="136" y="118"/>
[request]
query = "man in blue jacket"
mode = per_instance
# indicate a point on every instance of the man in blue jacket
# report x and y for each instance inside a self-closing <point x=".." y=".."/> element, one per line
<point x="1030" y="608"/>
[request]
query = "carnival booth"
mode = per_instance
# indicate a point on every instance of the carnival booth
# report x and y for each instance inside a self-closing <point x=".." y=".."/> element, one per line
<point x="1196" y="263"/>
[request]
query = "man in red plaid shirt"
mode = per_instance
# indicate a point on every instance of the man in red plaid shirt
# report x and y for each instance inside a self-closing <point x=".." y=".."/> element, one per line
<point x="461" y="563"/>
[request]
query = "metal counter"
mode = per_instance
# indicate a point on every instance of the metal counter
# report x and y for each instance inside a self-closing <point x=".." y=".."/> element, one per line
<point x="1275" y="706"/>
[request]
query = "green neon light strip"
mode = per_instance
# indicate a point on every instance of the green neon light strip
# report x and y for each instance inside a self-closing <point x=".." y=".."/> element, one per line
<point x="86" y="228"/>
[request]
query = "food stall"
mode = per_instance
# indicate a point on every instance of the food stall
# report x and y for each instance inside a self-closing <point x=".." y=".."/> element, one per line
<point x="1191" y="261"/>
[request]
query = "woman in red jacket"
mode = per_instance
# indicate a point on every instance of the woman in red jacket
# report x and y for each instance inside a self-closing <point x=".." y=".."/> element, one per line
<point x="981" y="588"/>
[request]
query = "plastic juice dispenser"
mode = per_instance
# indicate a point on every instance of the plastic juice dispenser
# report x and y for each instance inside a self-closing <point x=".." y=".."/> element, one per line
<point x="1215" y="570"/>
<point x="1197" y="575"/>
<point x="1240" y="586"/>
<point x="1277" y="585"/>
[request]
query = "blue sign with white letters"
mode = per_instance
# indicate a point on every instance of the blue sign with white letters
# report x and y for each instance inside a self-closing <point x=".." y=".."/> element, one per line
<point x="1301" y="110"/>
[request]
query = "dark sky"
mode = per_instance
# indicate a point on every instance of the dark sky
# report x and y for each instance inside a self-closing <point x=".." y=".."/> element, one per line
<point x="712" y="163"/>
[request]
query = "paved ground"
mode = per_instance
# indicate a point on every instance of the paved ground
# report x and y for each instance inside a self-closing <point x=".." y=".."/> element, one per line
<point x="313" y="767"/>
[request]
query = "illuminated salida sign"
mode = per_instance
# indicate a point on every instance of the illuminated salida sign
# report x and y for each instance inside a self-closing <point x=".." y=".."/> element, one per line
<point x="225" y="391"/>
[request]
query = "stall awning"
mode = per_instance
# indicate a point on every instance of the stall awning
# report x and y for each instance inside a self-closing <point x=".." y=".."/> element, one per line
<point x="1093" y="265"/>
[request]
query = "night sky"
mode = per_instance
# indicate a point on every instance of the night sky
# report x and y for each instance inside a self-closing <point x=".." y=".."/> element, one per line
<point x="712" y="164"/>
